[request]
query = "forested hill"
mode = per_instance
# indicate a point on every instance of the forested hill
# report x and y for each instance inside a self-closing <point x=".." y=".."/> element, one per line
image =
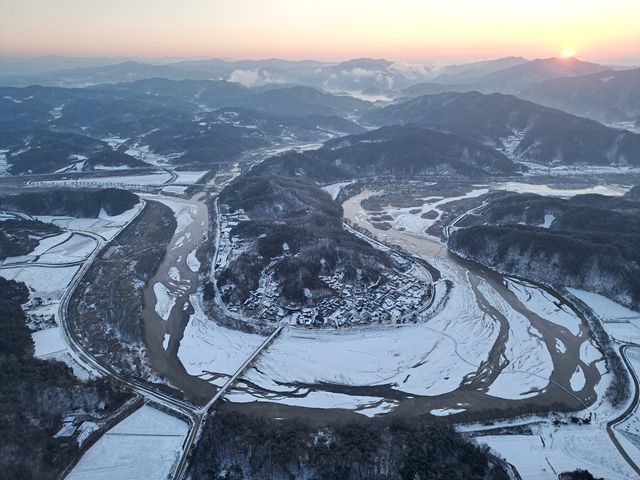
<point x="35" y="395"/>
<point x="530" y="132"/>
<point x="395" y="150"/>
<point x="591" y="242"/>
<point x="71" y="202"/>
<point x="237" y="446"/>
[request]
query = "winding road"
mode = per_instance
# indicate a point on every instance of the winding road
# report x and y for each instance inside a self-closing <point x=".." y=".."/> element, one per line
<point x="629" y="411"/>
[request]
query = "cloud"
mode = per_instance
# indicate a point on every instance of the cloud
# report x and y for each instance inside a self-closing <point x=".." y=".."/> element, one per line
<point x="410" y="70"/>
<point x="253" y="78"/>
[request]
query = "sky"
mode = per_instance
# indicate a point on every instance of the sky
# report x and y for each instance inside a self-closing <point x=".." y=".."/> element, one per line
<point x="403" y="30"/>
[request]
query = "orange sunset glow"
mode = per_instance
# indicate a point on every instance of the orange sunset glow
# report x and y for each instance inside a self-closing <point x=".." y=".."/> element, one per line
<point x="330" y="30"/>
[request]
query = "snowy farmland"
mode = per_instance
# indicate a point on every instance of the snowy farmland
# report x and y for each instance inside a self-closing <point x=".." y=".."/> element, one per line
<point x="106" y="226"/>
<point x="622" y="323"/>
<point x="551" y="451"/>
<point x="146" y="444"/>
<point x="611" y="190"/>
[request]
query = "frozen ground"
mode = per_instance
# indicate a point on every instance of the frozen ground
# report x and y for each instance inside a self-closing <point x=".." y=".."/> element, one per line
<point x="334" y="188"/>
<point x="145" y="445"/>
<point x="209" y="349"/>
<point x="611" y="190"/>
<point x="622" y="323"/>
<point x="48" y="342"/>
<point x="551" y="451"/>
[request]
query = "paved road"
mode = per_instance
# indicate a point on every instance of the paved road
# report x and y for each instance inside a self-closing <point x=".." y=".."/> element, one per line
<point x="629" y="411"/>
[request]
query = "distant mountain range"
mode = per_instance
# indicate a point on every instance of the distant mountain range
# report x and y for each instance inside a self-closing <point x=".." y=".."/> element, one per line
<point x="547" y="81"/>
<point x="522" y="130"/>
<point x="518" y="77"/>
<point x="609" y="96"/>
<point x="195" y="122"/>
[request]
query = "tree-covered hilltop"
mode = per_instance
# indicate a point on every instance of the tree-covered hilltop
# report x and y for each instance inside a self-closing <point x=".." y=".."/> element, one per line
<point x="538" y="134"/>
<point x="71" y="202"/>
<point x="236" y="446"/>
<point x="19" y="236"/>
<point x="295" y="212"/>
<point x="395" y="150"/>
<point x="35" y="395"/>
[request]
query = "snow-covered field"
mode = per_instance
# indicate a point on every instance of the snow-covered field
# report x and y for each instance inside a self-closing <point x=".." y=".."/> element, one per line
<point x="158" y="178"/>
<point x="105" y="225"/>
<point x="146" y="444"/>
<point x="48" y="342"/>
<point x="209" y="349"/>
<point x="333" y="189"/>
<point x="44" y="282"/>
<point x="551" y="451"/>
<point x="189" y="176"/>
<point x="622" y="323"/>
<point x="611" y="190"/>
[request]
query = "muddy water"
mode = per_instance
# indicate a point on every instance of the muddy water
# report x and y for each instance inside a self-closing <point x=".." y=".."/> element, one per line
<point x="193" y="224"/>
<point x="473" y="390"/>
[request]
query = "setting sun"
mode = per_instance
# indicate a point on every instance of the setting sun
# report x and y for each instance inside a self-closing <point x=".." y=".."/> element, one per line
<point x="568" y="52"/>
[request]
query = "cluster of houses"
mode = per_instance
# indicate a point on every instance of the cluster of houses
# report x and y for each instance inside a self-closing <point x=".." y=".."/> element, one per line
<point x="400" y="299"/>
<point x="229" y="246"/>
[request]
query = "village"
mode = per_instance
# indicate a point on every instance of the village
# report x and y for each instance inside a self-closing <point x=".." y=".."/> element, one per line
<point x="400" y="298"/>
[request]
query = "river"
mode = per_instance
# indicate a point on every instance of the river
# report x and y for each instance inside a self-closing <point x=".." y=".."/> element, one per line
<point x="564" y="363"/>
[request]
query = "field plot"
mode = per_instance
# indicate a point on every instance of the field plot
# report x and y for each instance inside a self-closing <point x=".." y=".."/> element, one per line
<point x="106" y="226"/>
<point x="563" y="192"/>
<point x="620" y="322"/>
<point x="144" y="445"/>
<point x="550" y="451"/>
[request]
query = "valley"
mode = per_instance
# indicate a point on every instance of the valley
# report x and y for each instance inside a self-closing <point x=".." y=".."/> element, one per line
<point x="222" y="276"/>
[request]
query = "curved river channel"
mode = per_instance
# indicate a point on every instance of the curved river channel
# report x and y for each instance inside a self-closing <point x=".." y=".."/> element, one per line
<point x="176" y="280"/>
